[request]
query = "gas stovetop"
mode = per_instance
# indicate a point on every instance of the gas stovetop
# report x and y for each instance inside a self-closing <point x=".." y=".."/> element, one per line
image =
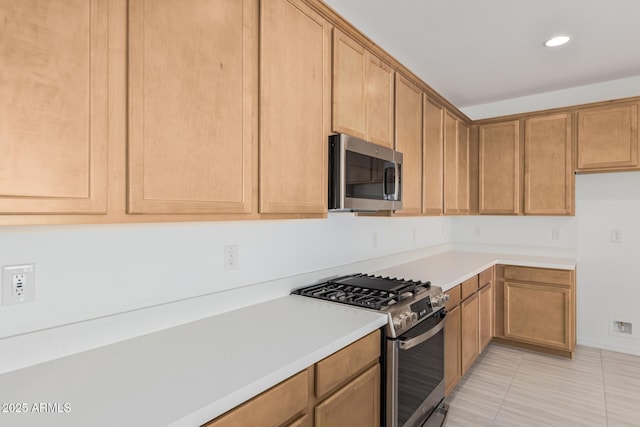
<point x="406" y="301"/>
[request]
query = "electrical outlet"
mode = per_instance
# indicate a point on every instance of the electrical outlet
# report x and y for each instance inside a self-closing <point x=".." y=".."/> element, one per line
<point x="555" y="233"/>
<point x="616" y="236"/>
<point x="374" y="240"/>
<point x="230" y="257"/>
<point x="413" y="236"/>
<point x="18" y="284"/>
<point x="476" y="231"/>
<point x="620" y="325"/>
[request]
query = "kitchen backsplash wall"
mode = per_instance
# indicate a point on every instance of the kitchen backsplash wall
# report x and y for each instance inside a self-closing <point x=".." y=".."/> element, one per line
<point x="85" y="272"/>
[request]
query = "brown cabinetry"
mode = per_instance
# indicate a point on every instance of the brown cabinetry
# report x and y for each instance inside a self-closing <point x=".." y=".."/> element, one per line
<point x="456" y="165"/>
<point x="432" y="157"/>
<point x="548" y="174"/>
<point x="469" y="338"/>
<point x="295" y="99"/>
<point x="608" y="138"/>
<point x="499" y="168"/>
<point x="363" y="92"/>
<point x="53" y="104"/>
<point x="537" y="308"/>
<point x="485" y="309"/>
<point x="194" y="153"/>
<point x="409" y="143"/>
<point x="452" y="353"/>
<point x="342" y="389"/>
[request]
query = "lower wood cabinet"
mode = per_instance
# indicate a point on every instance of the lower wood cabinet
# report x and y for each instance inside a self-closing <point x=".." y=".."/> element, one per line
<point x="469" y="337"/>
<point x="536" y="309"/>
<point x="342" y="389"/>
<point x="485" y="316"/>
<point x="452" y="364"/>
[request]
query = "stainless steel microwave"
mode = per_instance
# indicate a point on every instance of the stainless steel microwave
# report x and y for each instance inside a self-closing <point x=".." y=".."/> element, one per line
<point x="363" y="176"/>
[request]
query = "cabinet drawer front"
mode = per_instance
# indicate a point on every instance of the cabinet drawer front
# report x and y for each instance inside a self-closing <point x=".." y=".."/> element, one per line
<point x="538" y="314"/>
<point x="454" y="297"/>
<point x="469" y="286"/>
<point x="274" y="407"/>
<point x="485" y="277"/>
<point x="340" y="367"/>
<point x="540" y="275"/>
<point x="357" y="404"/>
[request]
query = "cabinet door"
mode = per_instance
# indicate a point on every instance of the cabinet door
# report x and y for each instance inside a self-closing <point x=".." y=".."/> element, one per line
<point x="452" y="352"/>
<point x="485" y="316"/>
<point x="53" y="104"/>
<point x="499" y="169"/>
<point x="463" y="168"/>
<point x="295" y="100"/>
<point x="608" y="137"/>
<point x="357" y="403"/>
<point x="450" y="164"/>
<point x="548" y="175"/>
<point x="192" y="105"/>
<point x="349" y="96"/>
<point x="432" y="159"/>
<point x="538" y="314"/>
<point x="409" y="143"/>
<point x="469" y="336"/>
<point x="379" y="101"/>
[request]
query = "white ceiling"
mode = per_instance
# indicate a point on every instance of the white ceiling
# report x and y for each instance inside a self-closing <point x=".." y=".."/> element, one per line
<point x="476" y="52"/>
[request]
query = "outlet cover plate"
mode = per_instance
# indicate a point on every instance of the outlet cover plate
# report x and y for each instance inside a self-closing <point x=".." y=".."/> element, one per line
<point x="25" y="274"/>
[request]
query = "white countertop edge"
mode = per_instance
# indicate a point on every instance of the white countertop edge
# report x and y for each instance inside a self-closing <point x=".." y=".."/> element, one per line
<point x="262" y="384"/>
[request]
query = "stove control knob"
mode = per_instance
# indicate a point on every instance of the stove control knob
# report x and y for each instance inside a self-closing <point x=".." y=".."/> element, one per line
<point x="397" y="322"/>
<point x="413" y="317"/>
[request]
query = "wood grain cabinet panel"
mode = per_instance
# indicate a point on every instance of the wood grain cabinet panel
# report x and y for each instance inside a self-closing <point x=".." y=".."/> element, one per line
<point x="409" y="143"/>
<point x="363" y="92"/>
<point x="355" y="405"/>
<point x="485" y="316"/>
<point x="450" y="164"/>
<point x="548" y="174"/>
<point x="379" y="101"/>
<point x="295" y="102"/>
<point x="432" y="158"/>
<point x="452" y="351"/>
<point x="192" y="105"/>
<point x="53" y="104"/>
<point x="469" y="337"/>
<point x="464" y="163"/>
<point x="274" y="407"/>
<point x="608" y="137"/>
<point x="499" y="168"/>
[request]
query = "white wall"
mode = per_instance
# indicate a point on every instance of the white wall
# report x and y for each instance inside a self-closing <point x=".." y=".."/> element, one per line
<point x="613" y="89"/>
<point x="86" y="272"/>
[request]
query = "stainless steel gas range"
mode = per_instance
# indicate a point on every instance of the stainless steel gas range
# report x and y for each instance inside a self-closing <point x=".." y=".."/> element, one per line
<point x="413" y="356"/>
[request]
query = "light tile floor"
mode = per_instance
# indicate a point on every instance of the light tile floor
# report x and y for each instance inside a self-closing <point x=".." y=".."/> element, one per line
<point x="510" y="387"/>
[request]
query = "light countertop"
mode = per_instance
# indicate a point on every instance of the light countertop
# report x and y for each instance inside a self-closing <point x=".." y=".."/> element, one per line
<point x="451" y="268"/>
<point x="189" y="374"/>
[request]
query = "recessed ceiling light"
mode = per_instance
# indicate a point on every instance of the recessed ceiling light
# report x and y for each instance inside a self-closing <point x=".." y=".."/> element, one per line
<point x="557" y="41"/>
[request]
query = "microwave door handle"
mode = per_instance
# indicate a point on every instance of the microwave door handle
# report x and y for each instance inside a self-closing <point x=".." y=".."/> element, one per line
<point x="385" y="191"/>
<point x="397" y="181"/>
<point x="410" y="343"/>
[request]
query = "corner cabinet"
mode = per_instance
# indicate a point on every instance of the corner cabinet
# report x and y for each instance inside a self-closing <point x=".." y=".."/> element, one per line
<point x="342" y="389"/>
<point x="536" y="309"/>
<point x="295" y="105"/>
<point x="499" y="168"/>
<point x="548" y="174"/>
<point x="432" y="157"/>
<point x="53" y="104"/>
<point x="363" y="92"/>
<point x="409" y="143"/>
<point x="193" y="78"/>
<point x="608" y="138"/>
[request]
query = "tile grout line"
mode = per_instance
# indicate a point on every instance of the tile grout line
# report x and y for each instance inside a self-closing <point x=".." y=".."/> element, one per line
<point x="507" y="391"/>
<point x="604" y="388"/>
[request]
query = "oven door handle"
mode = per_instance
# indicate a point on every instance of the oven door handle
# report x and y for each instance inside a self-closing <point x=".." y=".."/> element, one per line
<point x="409" y="344"/>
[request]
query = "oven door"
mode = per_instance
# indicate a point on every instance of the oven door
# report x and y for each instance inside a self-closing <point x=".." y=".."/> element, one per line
<point x="415" y="373"/>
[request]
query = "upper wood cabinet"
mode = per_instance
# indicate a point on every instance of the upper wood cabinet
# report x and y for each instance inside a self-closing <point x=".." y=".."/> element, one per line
<point x="548" y="174"/>
<point x="456" y="165"/>
<point x="192" y="105"/>
<point x="53" y="104"/>
<point x="432" y="157"/>
<point x="608" y="137"/>
<point x="363" y="92"/>
<point x="409" y="143"/>
<point x="295" y="102"/>
<point x="499" y="168"/>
